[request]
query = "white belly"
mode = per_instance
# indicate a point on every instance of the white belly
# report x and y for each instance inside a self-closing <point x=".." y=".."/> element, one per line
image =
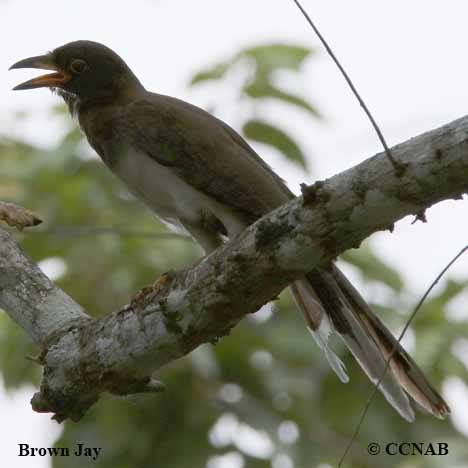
<point x="170" y="197"/>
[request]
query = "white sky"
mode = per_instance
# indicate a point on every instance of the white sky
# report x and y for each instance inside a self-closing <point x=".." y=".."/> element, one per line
<point x="408" y="59"/>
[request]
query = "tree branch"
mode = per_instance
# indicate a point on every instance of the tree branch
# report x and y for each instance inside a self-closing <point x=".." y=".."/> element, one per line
<point x="17" y="216"/>
<point x="30" y="298"/>
<point x="83" y="357"/>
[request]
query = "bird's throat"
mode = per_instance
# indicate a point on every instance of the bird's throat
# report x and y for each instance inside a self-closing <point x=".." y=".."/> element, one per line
<point x="71" y="100"/>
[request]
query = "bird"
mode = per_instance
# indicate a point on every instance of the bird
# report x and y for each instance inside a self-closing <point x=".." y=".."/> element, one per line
<point x="197" y="173"/>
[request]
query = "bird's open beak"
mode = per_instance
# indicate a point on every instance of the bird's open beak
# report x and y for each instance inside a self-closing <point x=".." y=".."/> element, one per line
<point x="44" y="62"/>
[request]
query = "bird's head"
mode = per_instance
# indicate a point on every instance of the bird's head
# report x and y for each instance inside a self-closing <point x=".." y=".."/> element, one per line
<point x="85" y="69"/>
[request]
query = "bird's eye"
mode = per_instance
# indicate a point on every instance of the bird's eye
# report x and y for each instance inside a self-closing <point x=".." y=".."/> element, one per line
<point x="78" y="66"/>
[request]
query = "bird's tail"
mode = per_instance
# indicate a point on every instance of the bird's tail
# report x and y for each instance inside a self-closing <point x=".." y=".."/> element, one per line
<point x="331" y="304"/>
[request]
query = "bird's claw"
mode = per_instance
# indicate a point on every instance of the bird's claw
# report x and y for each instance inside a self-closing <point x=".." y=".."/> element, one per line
<point x="138" y="300"/>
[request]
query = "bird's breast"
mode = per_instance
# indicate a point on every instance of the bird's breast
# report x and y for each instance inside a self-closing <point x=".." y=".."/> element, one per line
<point x="158" y="186"/>
<point x="167" y="194"/>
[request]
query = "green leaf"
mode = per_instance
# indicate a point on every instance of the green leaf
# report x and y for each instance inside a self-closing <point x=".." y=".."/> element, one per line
<point x="278" y="56"/>
<point x="267" y="58"/>
<point x="373" y="268"/>
<point x="261" y="88"/>
<point x="214" y="73"/>
<point x="268" y="134"/>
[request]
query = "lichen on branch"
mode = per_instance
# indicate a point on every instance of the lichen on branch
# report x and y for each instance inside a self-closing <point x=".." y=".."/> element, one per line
<point x="118" y="353"/>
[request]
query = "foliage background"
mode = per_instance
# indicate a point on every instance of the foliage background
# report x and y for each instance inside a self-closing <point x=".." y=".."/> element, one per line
<point x="261" y="397"/>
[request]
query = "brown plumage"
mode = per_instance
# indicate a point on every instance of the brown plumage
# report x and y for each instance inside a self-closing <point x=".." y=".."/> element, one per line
<point x="197" y="173"/>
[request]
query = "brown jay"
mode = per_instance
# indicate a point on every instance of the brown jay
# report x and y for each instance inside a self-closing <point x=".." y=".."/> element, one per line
<point x="197" y="173"/>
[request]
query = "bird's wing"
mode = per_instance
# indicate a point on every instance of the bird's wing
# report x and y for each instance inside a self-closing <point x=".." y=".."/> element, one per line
<point x="206" y="153"/>
<point x="213" y="158"/>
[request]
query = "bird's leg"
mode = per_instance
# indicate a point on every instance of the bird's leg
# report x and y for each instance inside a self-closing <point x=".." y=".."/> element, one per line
<point x="138" y="299"/>
<point x="148" y="292"/>
<point x="206" y="233"/>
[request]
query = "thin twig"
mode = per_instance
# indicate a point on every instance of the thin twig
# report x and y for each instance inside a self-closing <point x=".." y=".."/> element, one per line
<point x="101" y="230"/>
<point x="397" y="165"/>
<point x="387" y="364"/>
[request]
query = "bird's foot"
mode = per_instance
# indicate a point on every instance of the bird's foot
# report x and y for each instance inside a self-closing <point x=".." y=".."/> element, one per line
<point x="139" y="299"/>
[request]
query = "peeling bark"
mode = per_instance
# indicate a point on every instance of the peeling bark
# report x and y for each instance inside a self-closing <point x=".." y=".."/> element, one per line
<point x="17" y="216"/>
